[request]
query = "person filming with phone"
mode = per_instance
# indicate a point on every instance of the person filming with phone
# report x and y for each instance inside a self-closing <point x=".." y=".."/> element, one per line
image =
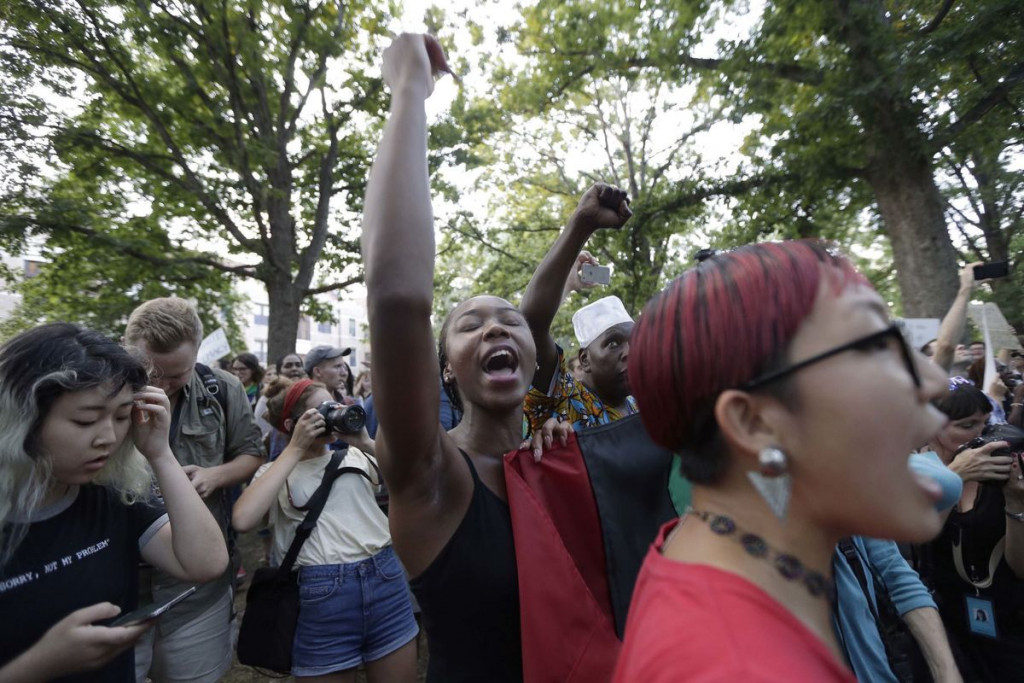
<point x="599" y="392"/>
<point x="84" y="437"/>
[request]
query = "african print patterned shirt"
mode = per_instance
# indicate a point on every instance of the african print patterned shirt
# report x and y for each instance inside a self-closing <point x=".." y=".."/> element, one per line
<point x="571" y="399"/>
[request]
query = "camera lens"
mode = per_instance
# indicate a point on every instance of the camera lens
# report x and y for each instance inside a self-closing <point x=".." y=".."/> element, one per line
<point x="341" y="418"/>
<point x="349" y="419"/>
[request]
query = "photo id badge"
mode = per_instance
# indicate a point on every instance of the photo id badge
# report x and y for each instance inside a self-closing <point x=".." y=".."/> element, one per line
<point x="981" y="618"/>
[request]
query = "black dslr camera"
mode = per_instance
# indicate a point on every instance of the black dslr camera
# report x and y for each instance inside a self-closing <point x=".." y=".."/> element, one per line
<point x="1014" y="436"/>
<point x="342" y="418"/>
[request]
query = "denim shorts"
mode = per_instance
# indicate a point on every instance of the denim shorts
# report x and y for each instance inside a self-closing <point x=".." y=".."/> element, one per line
<point x="350" y="614"/>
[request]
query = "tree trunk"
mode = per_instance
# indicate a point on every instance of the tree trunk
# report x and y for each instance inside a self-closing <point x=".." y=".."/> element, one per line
<point x="899" y="167"/>
<point x="911" y="209"/>
<point x="283" y="316"/>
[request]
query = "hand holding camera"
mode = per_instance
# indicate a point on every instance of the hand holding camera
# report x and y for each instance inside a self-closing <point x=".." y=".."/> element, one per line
<point x="982" y="461"/>
<point x="308" y="428"/>
<point x="990" y="456"/>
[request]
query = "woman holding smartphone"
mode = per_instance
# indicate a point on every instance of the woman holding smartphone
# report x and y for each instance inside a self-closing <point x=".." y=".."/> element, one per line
<point x="83" y="437"/>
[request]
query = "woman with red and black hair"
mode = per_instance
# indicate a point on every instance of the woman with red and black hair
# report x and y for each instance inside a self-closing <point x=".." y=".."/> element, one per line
<point x="793" y="400"/>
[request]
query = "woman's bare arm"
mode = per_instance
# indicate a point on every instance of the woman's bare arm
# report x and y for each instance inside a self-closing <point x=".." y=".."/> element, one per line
<point x="398" y="253"/>
<point x="952" y="327"/>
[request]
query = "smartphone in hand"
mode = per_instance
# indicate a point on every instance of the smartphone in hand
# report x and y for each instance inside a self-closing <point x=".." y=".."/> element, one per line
<point x="151" y="611"/>
<point x="591" y="274"/>
<point x="990" y="271"/>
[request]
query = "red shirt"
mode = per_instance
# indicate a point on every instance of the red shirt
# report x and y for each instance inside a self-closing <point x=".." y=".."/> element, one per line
<point x="691" y="622"/>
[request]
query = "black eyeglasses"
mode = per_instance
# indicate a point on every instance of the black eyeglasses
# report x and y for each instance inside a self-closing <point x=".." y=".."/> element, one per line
<point x="885" y="337"/>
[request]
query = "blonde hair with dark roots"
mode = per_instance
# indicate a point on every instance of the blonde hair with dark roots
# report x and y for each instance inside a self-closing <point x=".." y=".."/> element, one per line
<point x="164" y="324"/>
<point x="36" y="368"/>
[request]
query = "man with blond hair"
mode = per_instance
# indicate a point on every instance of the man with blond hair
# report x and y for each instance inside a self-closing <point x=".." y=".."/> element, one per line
<point x="215" y="438"/>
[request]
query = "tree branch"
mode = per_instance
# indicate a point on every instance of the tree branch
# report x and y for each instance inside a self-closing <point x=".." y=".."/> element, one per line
<point x="479" y="238"/>
<point x="987" y="103"/>
<point x="943" y="11"/>
<point x="333" y="286"/>
<point x="323" y="204"/>
<point x="132" y="94"/>
<point x="797" y="73"/>
<point x="123" y="247"/>
<point x="731" y="187"/>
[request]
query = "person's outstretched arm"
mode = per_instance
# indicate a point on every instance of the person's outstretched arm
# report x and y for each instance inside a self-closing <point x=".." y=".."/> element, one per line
<point x="602" y="206"/>
<point x="952" y="327"/>
<point x="398" y="254"/>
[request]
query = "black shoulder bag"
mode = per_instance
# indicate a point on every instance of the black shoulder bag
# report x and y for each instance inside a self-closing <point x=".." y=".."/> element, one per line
<point x="272" y="603"/>
<point x="906" y="661"/>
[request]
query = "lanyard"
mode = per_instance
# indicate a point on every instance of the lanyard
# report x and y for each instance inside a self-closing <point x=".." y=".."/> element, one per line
<point x="993" y="561"/>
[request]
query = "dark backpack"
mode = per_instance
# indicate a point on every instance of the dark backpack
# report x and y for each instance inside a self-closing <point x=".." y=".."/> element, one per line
<point x="213" y="387"/>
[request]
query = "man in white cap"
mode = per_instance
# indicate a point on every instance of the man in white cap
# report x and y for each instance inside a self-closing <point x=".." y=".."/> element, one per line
<point x="599" y="393"/>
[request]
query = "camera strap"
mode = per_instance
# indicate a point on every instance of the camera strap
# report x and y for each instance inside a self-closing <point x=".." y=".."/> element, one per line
<point x="993" y="561"/>
<point x="314" y="507"/>
<point x="337" y="457"/>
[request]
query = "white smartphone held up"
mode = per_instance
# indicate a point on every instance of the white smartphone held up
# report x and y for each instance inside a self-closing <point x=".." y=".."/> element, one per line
<point x="591" y="274"/>
<point x="151" y="611"/>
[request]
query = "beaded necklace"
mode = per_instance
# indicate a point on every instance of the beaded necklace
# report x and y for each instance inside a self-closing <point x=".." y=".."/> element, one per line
<point x="791" y="568"/>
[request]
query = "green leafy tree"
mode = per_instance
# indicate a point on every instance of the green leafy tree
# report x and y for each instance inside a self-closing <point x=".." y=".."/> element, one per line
<point x="632" y="134"/>
<point x="243" y="129"/>
<point x="853" y="102"/>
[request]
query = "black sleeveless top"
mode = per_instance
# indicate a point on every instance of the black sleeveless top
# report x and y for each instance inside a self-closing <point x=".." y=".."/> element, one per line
<point x="469" y="596"/>
<point x="978" y="529"/>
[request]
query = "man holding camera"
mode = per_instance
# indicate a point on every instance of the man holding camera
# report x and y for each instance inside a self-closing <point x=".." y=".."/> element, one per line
<point x="215" y="438"/>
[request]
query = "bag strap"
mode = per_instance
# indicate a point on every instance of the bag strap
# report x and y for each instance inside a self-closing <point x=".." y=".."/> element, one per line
<point x="212" y="385"/>
<point x="853" y="559"/>
<point x="316" y="506"/>
<point x="344" y="470"/>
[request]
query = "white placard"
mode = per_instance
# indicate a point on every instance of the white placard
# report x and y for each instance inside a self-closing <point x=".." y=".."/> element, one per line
<point x="1001" y="333"/>
<point x="990" y="361"/>
<point x="215" y="346"/>
<point x="922" y="330"/>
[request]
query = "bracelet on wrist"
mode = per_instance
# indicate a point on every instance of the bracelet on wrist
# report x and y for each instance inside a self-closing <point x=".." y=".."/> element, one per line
<point x="1015" y="516"/>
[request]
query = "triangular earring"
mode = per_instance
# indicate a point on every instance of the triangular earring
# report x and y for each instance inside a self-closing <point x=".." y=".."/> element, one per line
<point x="773" y="481"/>
<point x="774" y="490"/>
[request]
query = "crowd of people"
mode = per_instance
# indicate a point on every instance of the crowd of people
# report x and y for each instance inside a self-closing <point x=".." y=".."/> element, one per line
<point x="846" y="506"/>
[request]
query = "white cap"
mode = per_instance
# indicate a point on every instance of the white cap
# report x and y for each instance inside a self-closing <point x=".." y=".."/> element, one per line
<point x="594" y="319"/>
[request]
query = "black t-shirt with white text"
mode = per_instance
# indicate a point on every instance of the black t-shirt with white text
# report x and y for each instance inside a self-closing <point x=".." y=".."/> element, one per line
<point x="82" y="550"/>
